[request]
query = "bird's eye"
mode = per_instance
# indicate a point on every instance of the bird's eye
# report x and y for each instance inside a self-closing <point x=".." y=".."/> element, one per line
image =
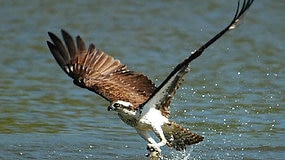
<point x="116" y="105"/>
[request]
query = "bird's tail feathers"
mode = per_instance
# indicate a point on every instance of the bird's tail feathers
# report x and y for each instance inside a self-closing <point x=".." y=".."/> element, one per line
<point x="178" y="137"/>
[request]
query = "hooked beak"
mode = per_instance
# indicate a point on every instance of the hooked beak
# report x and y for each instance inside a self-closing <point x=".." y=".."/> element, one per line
<point x="111" y="108"/>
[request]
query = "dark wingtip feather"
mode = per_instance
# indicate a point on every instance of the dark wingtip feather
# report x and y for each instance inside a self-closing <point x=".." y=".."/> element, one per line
<point x="59" y="46"/>
<point x="53" y="37"/>
<point x="56" y="54"/>
<point x="69" y="43"/>
<point x="80" y="44"/>
<point x="91" y="48"/>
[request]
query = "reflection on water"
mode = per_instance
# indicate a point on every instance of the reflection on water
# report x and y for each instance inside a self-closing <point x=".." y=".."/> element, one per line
<point x="235" y="98"/>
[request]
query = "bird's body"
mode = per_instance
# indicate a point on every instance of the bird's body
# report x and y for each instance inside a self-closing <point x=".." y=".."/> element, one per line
<point x="134" y="96"/>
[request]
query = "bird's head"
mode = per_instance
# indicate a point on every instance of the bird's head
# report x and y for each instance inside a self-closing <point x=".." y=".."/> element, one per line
<point x="119" y="105"/>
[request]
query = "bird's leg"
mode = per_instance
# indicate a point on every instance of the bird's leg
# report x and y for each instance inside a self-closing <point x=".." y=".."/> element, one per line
<point x="146" y="136"/>
<point x="152" y="144"/>
<point x="159" y="132"/>
<point x="155" y="152"/>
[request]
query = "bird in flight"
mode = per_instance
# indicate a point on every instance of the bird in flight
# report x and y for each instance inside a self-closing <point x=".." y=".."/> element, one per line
<point x="137" y="100"/>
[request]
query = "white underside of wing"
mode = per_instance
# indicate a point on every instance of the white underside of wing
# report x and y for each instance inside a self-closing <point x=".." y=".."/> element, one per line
<point x="150" y="117"/>
<point x="164" y="90"/>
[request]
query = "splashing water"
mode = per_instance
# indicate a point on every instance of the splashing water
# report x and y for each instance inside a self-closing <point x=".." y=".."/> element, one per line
<point x="180" y="155"/>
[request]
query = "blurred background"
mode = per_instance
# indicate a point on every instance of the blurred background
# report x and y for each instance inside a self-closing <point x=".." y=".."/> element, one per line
<point x="234" y="94"/>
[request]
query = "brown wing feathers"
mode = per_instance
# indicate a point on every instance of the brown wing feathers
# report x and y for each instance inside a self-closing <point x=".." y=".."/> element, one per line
<point x="95" y="70"/>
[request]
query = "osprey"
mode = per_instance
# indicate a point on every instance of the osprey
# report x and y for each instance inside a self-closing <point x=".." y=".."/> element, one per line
<point x="134" y="96"/>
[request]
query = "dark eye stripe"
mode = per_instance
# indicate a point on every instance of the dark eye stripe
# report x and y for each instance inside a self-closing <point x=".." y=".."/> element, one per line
<point x="116" y="105"/>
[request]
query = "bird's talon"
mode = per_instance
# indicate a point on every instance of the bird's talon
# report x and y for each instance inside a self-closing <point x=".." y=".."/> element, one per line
<point x="150" y="148"/>
<point x="153" y="148"/>
<point x="154" y="151"/>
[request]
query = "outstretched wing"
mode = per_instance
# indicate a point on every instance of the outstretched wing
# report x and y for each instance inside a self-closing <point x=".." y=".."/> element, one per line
<point x="162" y="97"/>
<point x="98" y="72"/>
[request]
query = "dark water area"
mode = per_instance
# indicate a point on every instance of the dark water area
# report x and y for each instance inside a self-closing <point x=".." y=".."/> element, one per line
<point x="234" y="94"/>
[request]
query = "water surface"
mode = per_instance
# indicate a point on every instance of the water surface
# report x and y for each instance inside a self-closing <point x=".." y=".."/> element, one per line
<point x="234" y="94"/>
